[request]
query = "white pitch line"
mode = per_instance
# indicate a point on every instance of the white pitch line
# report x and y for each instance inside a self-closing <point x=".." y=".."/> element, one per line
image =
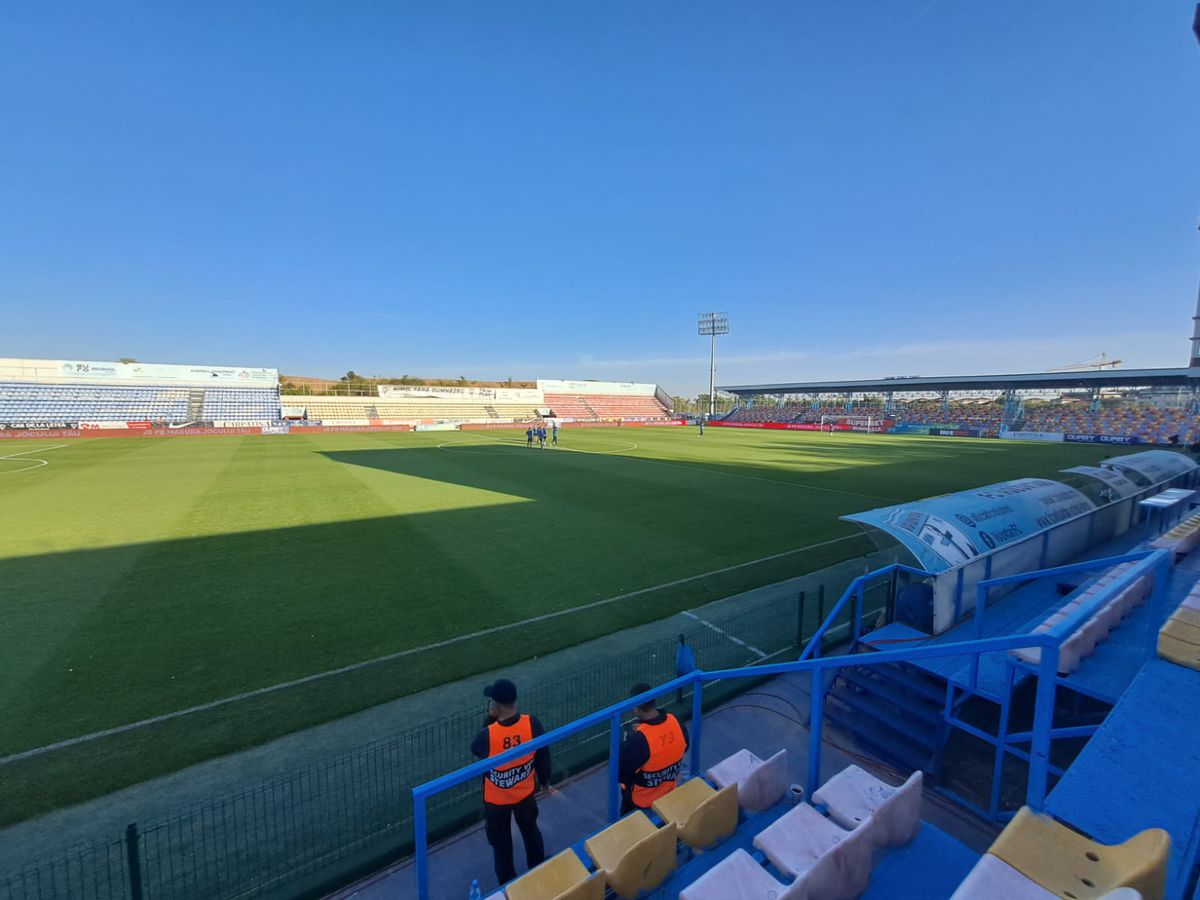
<point x="37" y="463"/>
<point x="353" y="667"/>
<point x="725" y="634"/>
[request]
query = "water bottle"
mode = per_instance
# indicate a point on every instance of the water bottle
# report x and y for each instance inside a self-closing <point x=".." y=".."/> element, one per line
<point x="475" y="894"/>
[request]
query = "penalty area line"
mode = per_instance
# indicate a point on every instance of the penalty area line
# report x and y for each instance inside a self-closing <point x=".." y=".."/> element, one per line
<point x="37" y="463"/>
<point x="401" y="654"/>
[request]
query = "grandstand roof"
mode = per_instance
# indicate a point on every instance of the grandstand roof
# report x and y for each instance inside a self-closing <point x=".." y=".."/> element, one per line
<point x="1033" y="380"/>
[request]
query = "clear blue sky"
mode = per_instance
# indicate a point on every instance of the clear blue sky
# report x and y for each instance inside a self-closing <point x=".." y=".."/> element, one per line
<point x="556" y="189"/>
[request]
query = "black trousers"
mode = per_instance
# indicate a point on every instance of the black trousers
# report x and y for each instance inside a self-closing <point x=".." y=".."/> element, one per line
<point x="498" y="824"/>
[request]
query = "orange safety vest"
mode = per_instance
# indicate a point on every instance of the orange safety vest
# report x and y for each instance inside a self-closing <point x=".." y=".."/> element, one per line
<point x="657" y="776"/>
<point x="504" y="787"/>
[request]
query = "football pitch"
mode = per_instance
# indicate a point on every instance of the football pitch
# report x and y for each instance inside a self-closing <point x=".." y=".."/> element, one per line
<point x="142" y="577"/>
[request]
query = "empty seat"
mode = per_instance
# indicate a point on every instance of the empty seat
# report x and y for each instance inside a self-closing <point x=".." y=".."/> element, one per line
<point x="761" y="784"/>
<point x="737" y="877"/>
<point x="854" y="795"/>
<point x="556" y="877"/>
<point x="1067" y="864"/>
<point x="704" y="816"/>
<point x="634" y="855"/>
<point x="794" y="842"/>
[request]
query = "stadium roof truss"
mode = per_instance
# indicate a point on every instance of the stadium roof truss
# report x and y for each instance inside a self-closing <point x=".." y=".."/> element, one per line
<point x="1120" y="378"/>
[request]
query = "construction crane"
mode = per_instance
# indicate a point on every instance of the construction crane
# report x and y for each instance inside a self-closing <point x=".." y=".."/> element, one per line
<point x="1091" y="363"/>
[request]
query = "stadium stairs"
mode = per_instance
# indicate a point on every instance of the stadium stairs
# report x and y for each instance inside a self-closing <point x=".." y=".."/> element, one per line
<point x="894" y="711"/>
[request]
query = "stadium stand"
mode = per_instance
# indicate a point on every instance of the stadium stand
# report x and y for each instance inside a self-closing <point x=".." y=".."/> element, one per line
<point x="241" y="404"/>
<point x="347" y="409"/>
<point x="1150" y="424"/>
<point x="46" y="403"/>
<point x="605" y="406"/>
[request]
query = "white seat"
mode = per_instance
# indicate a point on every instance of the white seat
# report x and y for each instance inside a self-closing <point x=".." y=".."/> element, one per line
<point x="841" y="874"/>
<point x="994" y="879"/>
<point x="794" y="842"/>
<point x="737" y="877"/>
<point x="898" y="818"/>
<point x="853" y="795"/>
<point x="761" y="784"/>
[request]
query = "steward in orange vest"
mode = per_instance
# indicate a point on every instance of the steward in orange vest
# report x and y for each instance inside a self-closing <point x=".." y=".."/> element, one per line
<point x="508" y="793"/>
<point x="651" y="755"/>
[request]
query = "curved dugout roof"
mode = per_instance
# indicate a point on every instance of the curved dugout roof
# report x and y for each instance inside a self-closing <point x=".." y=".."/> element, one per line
<point x="949" y="531"/>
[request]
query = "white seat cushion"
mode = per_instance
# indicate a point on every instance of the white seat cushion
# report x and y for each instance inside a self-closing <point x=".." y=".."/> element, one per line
<point x="737" y="877"/>
<point x="994" y="879"/>
<point x="794" y="842"/>
<point x="734" y="769"/>
<point x="841" y="874"/>
<point x="852" y="796"/>
<point x="761" y="783"/>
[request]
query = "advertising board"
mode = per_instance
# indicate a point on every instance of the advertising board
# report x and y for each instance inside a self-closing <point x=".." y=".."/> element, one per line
<point x="1054" y="437"/>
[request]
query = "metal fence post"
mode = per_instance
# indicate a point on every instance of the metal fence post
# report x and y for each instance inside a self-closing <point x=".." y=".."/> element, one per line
<point x="421" y="850"/>
<point x="614" y="768"/>
<point x="134" y="861"/>
<point x="697" y="714"/>
<point x="1043" y="724"/>
<point x="800" y="621"/>
<point x="820" y="617"/>
<point x="816" y="723"/>
<point x="856" y="625"/>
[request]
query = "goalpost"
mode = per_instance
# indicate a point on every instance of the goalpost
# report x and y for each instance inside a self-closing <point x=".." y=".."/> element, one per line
<point x="857" y="423"/>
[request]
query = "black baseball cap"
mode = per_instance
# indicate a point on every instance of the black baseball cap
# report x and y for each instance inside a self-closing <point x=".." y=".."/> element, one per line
<point x="502" y="691"/>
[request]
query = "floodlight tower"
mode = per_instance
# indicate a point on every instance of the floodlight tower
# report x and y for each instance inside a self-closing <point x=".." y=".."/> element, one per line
<point x="1195" y="354"/>
<point x="712" y="324"/>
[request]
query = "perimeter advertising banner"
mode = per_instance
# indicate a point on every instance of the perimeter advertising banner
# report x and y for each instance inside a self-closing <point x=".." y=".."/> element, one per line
<point x="624" y="388"/>
<point x="466" y="393"/>
<point x="151" y="373"/>
<point x="951" y="530"/>
<point x="1054" y="437"/>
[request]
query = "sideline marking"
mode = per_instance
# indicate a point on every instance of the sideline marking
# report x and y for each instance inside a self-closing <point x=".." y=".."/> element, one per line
<point x="353" y="667"/>
<point x="724" y="633"/>
<point x="37" y="463"/>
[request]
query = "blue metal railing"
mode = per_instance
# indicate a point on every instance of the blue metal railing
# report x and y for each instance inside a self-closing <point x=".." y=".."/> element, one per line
<point x="1039" y="750"/>
<point x="856" y="589"/>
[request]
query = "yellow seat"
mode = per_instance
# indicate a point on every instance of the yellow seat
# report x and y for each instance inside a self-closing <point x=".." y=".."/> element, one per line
<point x="1180" y="652"/>
<point x="1067" y="864"/>
<point x="636" y="857"/>
<point x="556" y="878"/>
<point x="592" y="889"/>
<point x="704" y="816"/>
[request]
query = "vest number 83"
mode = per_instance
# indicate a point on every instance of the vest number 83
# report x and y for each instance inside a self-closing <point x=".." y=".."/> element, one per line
<point x="510" y="742"/>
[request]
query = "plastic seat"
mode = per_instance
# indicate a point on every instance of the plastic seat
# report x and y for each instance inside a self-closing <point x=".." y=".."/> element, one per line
<point x="853" y="795"/>
<point x="993" y="879"/>
<point x="704" y="816"/>
<point x="794" y="842"/>
<point x="760" y="783"/>
<point x="841" y="874"/>
<point x="634" y="855"/>
<point x="737" y="877"/>
<point x="551" y="880"/>
<point x="1066" y="863"/>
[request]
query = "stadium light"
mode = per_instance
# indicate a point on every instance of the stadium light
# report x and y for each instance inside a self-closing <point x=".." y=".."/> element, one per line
<point x="712" y="324"/>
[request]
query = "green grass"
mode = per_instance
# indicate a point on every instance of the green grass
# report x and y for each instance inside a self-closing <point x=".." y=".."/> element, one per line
<point x="143" y="576"/>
